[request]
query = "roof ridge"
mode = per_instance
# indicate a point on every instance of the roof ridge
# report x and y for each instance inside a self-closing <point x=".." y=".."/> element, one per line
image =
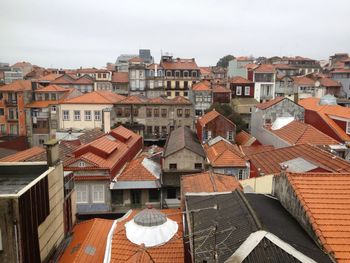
<point x="304" y="131"/>
<point x="213" y="182"/>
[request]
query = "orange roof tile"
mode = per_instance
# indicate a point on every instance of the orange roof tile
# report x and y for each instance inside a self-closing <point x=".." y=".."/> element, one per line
<point x="125" y="251"/>
<point x="88" y="236"/>
<point x="255" y="149"/>
<point x="52" y="88"/>
<point x="268" y="104"/>
<point x="225" y="154"/>
<point x="265" y="68"/>
<point x="244" y="138"/>
<point x="50" y="77"/>
<point x="205" y="70"/>
<point x="325" y="111"/>
<point x="203" y="85"/>
<point x="21" y="64"/>
<point x="328" y="82"/>
<point x="18" y="85"/>
<point x="303" y="80"/>
<point x="120" y="77"/>
<point x="42" y="103"/>
<point x="136" y="171"/>
<point x="96" y="97"/>
<point x="135" y="59"/>
<point x="210" y="116"/>
<point x="240" y="80"/>
<point x="298" y="132"/>
<point x="180" y="63"/>
<point x="153" y="66"/>
<point x="270" y="163"/>
<point x="23" y="155"/>
<point x="220" y="89"/>
<point x="325" y="198"/>
<point x="209" y="182"/>
<point x="251" y="66"/>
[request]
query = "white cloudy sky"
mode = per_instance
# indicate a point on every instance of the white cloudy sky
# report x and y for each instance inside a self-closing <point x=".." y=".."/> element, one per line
<point x="73" y="33"/>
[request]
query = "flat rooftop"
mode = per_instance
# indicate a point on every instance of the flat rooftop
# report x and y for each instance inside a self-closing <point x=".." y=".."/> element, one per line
<point x="15" y="177"/>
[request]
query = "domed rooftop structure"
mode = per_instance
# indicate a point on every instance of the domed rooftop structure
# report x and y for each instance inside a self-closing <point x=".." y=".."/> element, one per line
<point x="328" y="100"/>
<point x="151" y="228"/>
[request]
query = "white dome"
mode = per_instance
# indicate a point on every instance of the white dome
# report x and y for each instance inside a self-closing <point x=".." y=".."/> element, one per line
<point x="151" y="228"/>
<point x="280" y="122"/>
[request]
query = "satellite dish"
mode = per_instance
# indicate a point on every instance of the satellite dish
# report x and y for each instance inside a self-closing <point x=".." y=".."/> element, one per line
<point x="317" y="83"/>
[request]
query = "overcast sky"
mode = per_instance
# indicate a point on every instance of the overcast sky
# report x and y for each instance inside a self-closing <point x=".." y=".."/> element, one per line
<point x="74" y="33"/>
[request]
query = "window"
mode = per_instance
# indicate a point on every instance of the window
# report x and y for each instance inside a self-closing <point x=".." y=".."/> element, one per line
<point x="153" y="195"/>
<point x="12" y="114"/>
<point x="177" y="73"/>
<point x="198" y="166"/>
<point x="168" y="93"/>
<point x="13" y="129"/>
<point x="186" y="74"/>
<point x="239" y="90"/>
<point x="66" y="115"/>
<point x="172" y="166"/>
<point x="179" y="112"/>
<point x="149" y="129"/>
<point x="2" y="128"/>
<point x="1" y="111"/>
<point x="171" y="193"/>
<point x="136" y="112"/>
<point x="164" y="130"/>
<point x="168" y="84"/>
<point x="230" y="135"/>
<point x="53" y="96"/>
<point x="177" y="93"/>
<point x="156" y="112"/>
<point x="187" y="113"/>
<point x="88" y="115"/>
<point x="117" y="197"/>
<point x="156" y="130"/>
<point x="148" y="112"/>
<point x="127" y="112"/>
<point x="242" y="174"/>
<point x="246" y="90"/>
<point x="53" y="108"/>
<point x="164" y="113"/>
<point x="119" y="112"/>
<point x="177" y="84"/>
<point x="97" y="115"/>
<point x="348" y="127"/>
<point x="98" y="193"/>
<point x="47" y="96"/>
<point x="168" y="73"/>
<point x="77" y="115"/>
<point x="82" y="193"/>
<point x="185" y="84"/>
<point x="81" y="164"/>
<point x="194" y="73"/>
<point x="185" y="93"/>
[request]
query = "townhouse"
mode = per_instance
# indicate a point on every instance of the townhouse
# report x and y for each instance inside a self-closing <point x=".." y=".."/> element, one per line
<point x="154" y="118"/>
<point x="202" y="97"/>
<point x="264" y="77"/>
<point x="342" y="75"/>
<point x="120" y="83"/>
<point x="179" y="75"/>
<point x="83" y="83"/>
<point x="137" y="76"/>
<point x="88" y="111"/>
<point x="14" y="97"/>
<point x="154" y="81"/>
<point x="102" y="77"/>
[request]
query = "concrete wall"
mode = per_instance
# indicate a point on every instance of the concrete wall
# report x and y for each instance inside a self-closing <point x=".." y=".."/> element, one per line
<point x="82" y="124"/>
<point x="185" y="160"/>
<point x="51" y="231"/>
<point x="261" y="185"/>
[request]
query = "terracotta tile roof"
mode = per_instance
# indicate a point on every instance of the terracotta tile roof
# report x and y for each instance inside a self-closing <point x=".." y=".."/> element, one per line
<point x="85" y="79"/>
<point x="90" y="135"/>
<point x="91" y="70"/>
<point x="270" y="163"/>
<point x="244" y="58"/>
<point x="255" y="149"/>
<point x="325" y="199"/>
<point x="50" y="77"/>
<point x="209" y="182"/>
<point x="203" y="85"/>
<point x="153" y="66"/>
<point x="268" y="104"/>
<point x="220" y="89"/>
<point x="120" y="77"/>
<point x="136" y="171"/>
<point x="298" y="132"/>
<point x="303" y="80"/>
<point x="96" y="97"/>
<point x="52" y="88"/>
<point x="42" y="103"/>
<point x="328" y="82"/>
<point x="225" y="154"/>
<point x="251" y="66"/>
<point x="180" y="63"/>
<point x="18" y="85"/>
<point x="325" y="111"/>
<point x="21" y="64"/>
<point x="205" y="70"/>
<point x="240" y="80"/>
<point x="135" y="59"/>
<point x="107" y="152"/>
<point x="90" y="235"/>
<point x="265" y="68"/>
<point x="125" y="251"/>
<point x="24" y="155"/>
<point x="210" y="116"/>
<point x="244" y="138"/>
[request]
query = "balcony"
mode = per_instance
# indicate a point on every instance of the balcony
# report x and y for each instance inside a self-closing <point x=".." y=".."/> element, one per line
<point x="12" y="118"/>
<point x="10" y="103"/>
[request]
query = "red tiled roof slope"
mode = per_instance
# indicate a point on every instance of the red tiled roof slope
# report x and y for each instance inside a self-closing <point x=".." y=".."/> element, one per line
<point x="136" y="171"/>
<point x="268" y="104"/>
<point x="23" y="155"/>
<point x="326" y="202"/>
<point x="225" y="154"/>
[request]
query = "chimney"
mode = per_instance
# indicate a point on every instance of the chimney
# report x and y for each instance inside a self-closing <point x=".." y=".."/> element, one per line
<point x="52" y="152"/>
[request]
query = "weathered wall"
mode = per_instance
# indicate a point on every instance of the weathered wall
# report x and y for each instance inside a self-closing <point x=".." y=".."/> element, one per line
<point x="185" y="160"/>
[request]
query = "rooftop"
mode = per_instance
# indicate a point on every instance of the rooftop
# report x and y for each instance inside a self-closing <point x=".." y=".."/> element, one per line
<point x="240" y="80"/>
<point x="96" y="97"/>
<point x="325" y="199"/>
<point x="210" y="116"/>
<point x="180" y="63"/>
<point x="18" y="85"/>
<point x="268" y="104"/>
<point x="245" y="139"/>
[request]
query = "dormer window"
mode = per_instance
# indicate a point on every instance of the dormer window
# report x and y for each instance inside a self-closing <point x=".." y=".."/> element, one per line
<point x="168" y="73"/>
<point x="81" y="164"/>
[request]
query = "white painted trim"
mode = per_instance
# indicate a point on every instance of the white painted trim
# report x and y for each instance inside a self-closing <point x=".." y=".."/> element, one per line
<point x="255" y="238"/>
<point x="338" y="118"/>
